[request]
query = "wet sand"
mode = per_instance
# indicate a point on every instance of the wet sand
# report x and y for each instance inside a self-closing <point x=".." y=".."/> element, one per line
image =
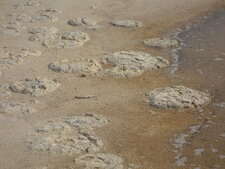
<point x="137" y="132"/>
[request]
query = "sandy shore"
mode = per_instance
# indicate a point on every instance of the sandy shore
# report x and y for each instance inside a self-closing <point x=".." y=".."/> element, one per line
<point x="136" y="132"/>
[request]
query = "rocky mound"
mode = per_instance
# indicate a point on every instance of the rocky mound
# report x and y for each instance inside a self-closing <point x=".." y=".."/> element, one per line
<point x="12" y="28"/>
<point x="160" y="42"/>
<point x="46" y="15"/>
<point x="35" y="86"/>
<point x="130" y="63"/>
<point x="86" y="22"/>
<point x="70" y="135"/>
<point x="81" y="67"/>
<point x="178" y="97"/>
<point x="11" y="57"/>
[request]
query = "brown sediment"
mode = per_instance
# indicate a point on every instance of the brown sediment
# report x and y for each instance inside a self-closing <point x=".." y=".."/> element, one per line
<point x="137" y="132"/>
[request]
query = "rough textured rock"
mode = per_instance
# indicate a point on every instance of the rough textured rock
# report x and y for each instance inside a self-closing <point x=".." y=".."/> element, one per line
<point x="100" y="161"/>
<point x="177" y="97"/>
<point x="86" y="22"/>
<point x="70" y="135"/>
<point x="43" y="33"/>
<point x="35" y="86"/>
<point x="80" y="67"/>
<point x="131" y="63"/>
<point x="52" y="39"/>
<point x="4" y="91"/>
<point x="13" y="28"/>
<point x="20" y="17"/>
<point x="27" y="3"/>
<point x="15" y="107"/>
<point x="11" y="57"/>
<point x="126" y="23"/>
<point x="75" y="35"/>
<point x="46" y="15"/>
<point x="160" y="42"/>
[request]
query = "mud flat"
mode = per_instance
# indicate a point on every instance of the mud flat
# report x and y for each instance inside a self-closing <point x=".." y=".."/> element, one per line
<point x="76" y="57"/>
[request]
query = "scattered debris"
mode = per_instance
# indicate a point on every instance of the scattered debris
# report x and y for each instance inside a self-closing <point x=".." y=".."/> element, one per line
<point x="35" y="86"/>
<point x="85" y="97"/>
<point x="43" y="33"/>
<point x="160" y="42"/>
<point x="4" y="91"/>
<point x="80" y="67"/>
<point x="178" y="97"/>
<point x="20" y="17"/>
<point x="130" y="63"/>
<point x="126" y="23"/>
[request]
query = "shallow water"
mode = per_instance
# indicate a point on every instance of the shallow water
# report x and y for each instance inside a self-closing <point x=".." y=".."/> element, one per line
<point x="202" y="66"/>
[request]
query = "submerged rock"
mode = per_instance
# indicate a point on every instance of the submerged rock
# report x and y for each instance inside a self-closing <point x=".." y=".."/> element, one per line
<point x="15" y="107"/>
<point x="160" y="42"/>
<point x="130" y="63"/>
<point x="27" y="3"/>
<point x="100" y="161"/>
<point x="177" y="97"/>
<point x="86" y="22"/>
<point x="35" y="86"/>
<point x="126" y="23"/>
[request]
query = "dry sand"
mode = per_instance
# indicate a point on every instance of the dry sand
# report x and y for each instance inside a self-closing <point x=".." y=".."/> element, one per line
<point x="137" y="133"/>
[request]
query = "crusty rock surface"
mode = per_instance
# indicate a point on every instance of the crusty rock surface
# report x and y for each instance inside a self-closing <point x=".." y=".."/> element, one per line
<point x="80" y="67"/>
<point x="12" y="28"/>
<point x="126" y="23"/>
<point x="130" y="63"/>
<point x="70" y="135"/>
<point x="15" y="107"/>
<point x="177" y="97"/>
<point x="11" y="57"/>
<point x="4" y="91"/>
<point x="46" y="15"/>
<point x="160" y="42"/>
<point x="35" y="86"/>
<point x="20" y="17"/>
<point x="43" y="33"/>
<point x="100" y="161"/>
<point x="50" y="37"/>
<point x="86" y="22"/>
<point x="27" y="3"/>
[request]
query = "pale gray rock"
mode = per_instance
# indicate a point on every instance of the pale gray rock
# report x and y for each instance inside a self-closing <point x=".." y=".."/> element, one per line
<point x="80" y="67"/>
<point x="43" y="33"/>
<point x="20" y="17"/>
<point x="160" y="42"/>
<point x="69" y="135"/>
<point x="178" y="97"/>
<point x="35" y="86"/>
<point x="5" y="91"/>
<point x="126" y="23"/>
<point x="130" y="63"/>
